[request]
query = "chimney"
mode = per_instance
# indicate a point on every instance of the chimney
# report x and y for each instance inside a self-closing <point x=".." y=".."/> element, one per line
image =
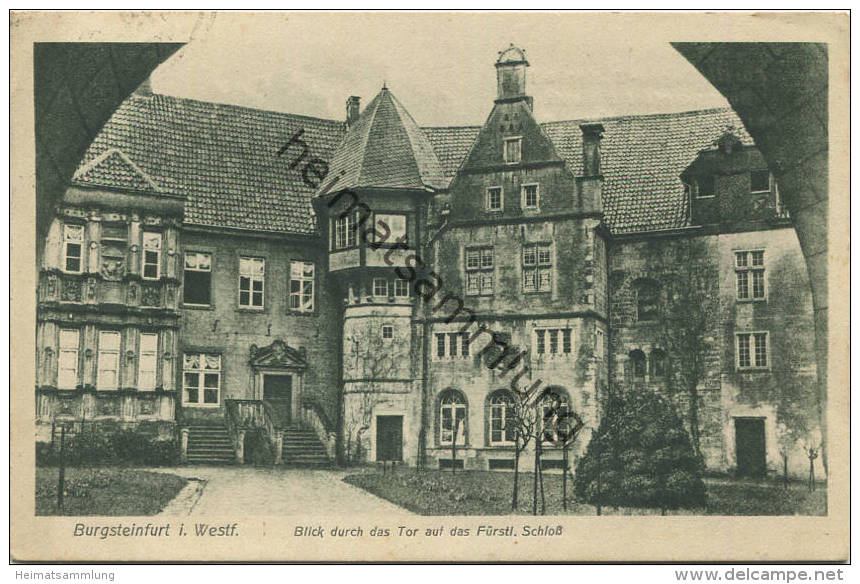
<point x="352" y="110"/>
<point x="591" y="136"/>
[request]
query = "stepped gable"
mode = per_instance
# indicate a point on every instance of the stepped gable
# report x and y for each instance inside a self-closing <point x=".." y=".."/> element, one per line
<point x="385" y="148"/>
<point x="222" y="158"/>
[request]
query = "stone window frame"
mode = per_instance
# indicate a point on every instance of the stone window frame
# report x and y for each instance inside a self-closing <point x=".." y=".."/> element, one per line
<point x="380" y="287"/>
<point x="392" y="237"/>
<point x="300" y="294"/>
<point x="61" y="384"/>
<point x="154" y="354"/>
<point x="455" y="401"/>
<point x="252" y="278"/>
<point x="506" y="153"/>
<point x="750" y="338"/>
<point x="67" y="227"/>
<point x="210" y="271"/>
<point x="748" y="272"/>
<point x="144" y="251"/>
<point x="103" y="353"/>
<point x="523" y="197"/>
<point x="453" y="345"/>
<point x="201" y="379"/>
<point x="500" y="401"/>
<point x="481" y="271"/>
<point x="640" y="287"/>
<point x="387" y="332"/>
<point x="488" y="199"/>
<point x="349" y="222"/>
<point x="545" y="338"/>
<point x="538" y="267"/>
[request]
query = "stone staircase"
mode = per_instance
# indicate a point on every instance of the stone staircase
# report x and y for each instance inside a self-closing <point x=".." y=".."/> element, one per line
<point x="302" y="447"/>
<point x="210" y="444"/>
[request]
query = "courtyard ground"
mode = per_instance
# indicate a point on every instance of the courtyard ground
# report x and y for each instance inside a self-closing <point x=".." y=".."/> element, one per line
<point x="106" y="491"/>
<point x="433" y="492"/>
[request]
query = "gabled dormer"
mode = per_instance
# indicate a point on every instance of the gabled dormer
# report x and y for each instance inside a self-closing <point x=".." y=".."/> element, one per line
<point x="513" y="169"/>
<point x="729" y="183"/>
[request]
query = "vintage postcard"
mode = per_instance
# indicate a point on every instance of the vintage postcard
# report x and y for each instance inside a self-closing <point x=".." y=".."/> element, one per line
<point x="429" y="287"/>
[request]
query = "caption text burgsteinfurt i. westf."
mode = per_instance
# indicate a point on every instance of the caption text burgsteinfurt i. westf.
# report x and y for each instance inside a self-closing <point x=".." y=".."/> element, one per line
<point x="507" y="530"/>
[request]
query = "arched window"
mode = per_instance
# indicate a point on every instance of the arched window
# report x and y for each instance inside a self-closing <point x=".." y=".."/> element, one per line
<point x="647" y="299"/>
<point x="638" y="365"/>
<point x="553" y="407"/>
<point x="452" y="417"/>
<point x="658" y="363"/>
<point x="502" y="425"/>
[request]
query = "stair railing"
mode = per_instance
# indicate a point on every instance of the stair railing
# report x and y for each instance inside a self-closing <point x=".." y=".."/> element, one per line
<point x="314" y="418"/>
<point x="248" y="414"/>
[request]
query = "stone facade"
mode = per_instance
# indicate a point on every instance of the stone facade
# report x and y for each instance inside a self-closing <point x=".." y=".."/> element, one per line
<point x="368" y="307"/>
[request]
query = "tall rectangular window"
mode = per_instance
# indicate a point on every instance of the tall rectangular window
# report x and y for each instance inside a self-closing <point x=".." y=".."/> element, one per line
<point x="73" y="245"/>
<point x="494" y="200"/>
<point x="553" y="341"/>
<point x="529" y="196"/>
<point x="513" y="150"/>
<point x="201" y="379"/>
<point x="752" y="352"/>
<point x="151" y="255"/>
<point x="479" y="270"/>
<point x="749" y="275"/>
<point x="345" y="231"/>
<point x="452" y="344"/>
<point x="537" y="268"/>
<point x="147" y="361"/>
<point x="108" y="364"/>
<point x="302" y="286"/>
<point x="67" y="362"/>
<point x="197" y="281"/>
<point x="251" y="278"/>
<point x="598" y="343"/>
<point x="440" y="345"/>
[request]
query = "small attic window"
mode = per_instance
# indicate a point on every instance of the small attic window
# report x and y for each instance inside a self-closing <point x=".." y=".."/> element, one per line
<point x="513" y="150"/>
<point x="705" y="187"/>
<point x="759" y="181"/>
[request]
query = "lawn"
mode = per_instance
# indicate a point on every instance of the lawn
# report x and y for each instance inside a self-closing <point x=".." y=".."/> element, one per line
<point x="433" y="492"/>
<point x="105" y="491"/>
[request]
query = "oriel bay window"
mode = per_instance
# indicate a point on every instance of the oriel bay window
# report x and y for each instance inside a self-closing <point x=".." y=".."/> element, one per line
<point x="749" y="274"/>
<point x="73" y="245"/>
<point x="67" y="361"/>
<point x="147" y="361"/>
<point x="452" y="417"/>
<point x="107" y="376"/>
<point x="302" y="286"/>
<point x="197" y="284"/>
<point x="389" y="228"/>
<point x="537" y="268"/>
<point x="479" y="271"/>
<point x="151" y="256"/>
<point x="251" y="278"/>
<point x="201" y="379"/>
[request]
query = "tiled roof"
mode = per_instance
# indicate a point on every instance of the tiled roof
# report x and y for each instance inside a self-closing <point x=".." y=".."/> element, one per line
<point x="384" y="148"/>
<point x="112" y="167"/>
<point x="642" y="158"/>
<point x="224" y="158"/>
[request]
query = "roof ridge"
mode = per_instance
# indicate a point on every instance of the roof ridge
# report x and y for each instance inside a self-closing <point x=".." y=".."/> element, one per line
<point x="218" y="104"/>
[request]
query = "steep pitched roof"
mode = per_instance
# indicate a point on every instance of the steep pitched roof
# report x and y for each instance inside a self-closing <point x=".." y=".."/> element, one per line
<point x="113" y="168"/>
<point x="223" y="158"/>
<point x="642" y="158"/>
<point x="384" y="148"/>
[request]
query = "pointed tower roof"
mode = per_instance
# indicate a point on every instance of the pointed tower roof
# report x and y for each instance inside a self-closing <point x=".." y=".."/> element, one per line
<point x="385" y="148"/>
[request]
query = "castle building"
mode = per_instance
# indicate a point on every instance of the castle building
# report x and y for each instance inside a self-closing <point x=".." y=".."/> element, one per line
<point x="374" y="290"/>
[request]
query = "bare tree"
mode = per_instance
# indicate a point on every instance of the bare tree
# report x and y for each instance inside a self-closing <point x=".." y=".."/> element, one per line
<point x="522" y="419"/>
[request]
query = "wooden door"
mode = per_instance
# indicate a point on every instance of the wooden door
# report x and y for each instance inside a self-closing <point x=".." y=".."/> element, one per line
<point x="278" y="391"/>
<point x="389" y="438"/>
<point x="750" y="446"/>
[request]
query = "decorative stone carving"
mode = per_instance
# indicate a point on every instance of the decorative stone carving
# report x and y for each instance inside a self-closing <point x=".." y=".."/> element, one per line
<point x="107" y="406"/>
<point x="278" y="355"/>
<point x="151" y="295"/>
<point x="132" y="293"/>
<point x="146" y="407"/>
<point x="113" y="268"/>
<point x="91" y="290"/>
<point x="51" y="285"/>
<point x="71" y="290"/>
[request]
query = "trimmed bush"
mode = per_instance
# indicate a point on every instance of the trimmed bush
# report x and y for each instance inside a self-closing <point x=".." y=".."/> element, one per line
<point x="640" y="456"/>
<point x="97" y="446"/>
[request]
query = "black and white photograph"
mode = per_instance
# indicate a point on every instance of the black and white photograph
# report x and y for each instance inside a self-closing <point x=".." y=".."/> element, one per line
<point x="429" y="279"/>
